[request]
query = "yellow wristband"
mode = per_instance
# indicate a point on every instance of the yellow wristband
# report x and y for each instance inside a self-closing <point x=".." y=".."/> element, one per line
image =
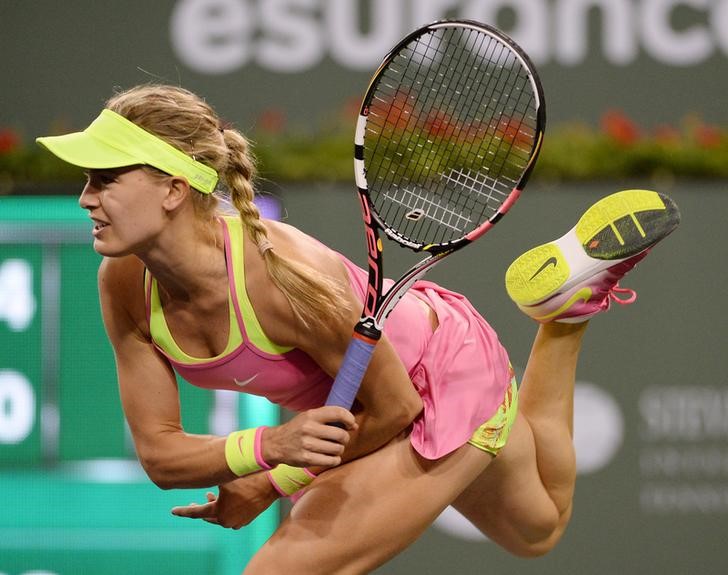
<point x="287" y="480"/>
<point x="243" y="451"/>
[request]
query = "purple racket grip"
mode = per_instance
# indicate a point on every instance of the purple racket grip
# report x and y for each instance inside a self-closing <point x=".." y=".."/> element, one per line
<point x="348" y="379"/>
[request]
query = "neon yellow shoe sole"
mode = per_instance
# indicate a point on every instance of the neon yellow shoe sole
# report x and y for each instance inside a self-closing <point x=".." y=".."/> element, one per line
<point x="614" y="229"/>
<point x="536" y="274"/>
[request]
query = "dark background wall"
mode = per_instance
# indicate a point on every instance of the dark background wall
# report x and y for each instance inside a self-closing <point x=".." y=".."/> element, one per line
<point x="656" y="60"/>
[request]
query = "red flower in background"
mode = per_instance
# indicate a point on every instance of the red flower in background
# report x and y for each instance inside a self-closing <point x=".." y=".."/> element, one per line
<point x="350" y="109"/>
<point x="513" y="130"/>
<point x="440" y="124"/>
<point x="707" y="136"/>
<point x="272" y="121"/>
<point x="394" y="111"/>
<point x="666" y="134"/>
<point x="9" y="141"/>
<point x="619" y="127"/>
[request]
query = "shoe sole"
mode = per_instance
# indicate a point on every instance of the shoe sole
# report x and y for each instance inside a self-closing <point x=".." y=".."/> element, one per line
<point x="615" y="228"/>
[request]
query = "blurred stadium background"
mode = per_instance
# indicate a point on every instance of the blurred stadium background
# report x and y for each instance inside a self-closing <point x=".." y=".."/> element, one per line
<point x="635" y="98"/>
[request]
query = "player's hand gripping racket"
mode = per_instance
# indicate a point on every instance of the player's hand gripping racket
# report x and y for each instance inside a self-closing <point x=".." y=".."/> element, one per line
<point x="447" y="135"/>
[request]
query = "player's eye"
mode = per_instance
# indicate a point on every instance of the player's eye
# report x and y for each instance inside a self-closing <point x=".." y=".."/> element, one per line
<point x="100" y="178"/>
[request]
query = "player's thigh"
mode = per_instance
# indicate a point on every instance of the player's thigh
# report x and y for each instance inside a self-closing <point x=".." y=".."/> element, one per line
<point x="359" y="515"/>
<point x="508" y="501"/>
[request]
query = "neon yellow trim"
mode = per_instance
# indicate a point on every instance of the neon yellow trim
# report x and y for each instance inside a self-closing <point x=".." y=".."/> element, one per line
<point x="163" y="337"/>
<point x="614" y="207"/>
<point x="289" y="480"/>
<point x="620" y="239"/>
<point x="256" y="335"/>
<point x="255" y="332"/>
<point x="639" y="227"/>
<point x="536" y="149"/>
<point x="536" y="274"/>
<point x="240" y="452"/>
<point x="112" y="141"/>
<point x="492" y="436"/>
<point x="583" y="294"/>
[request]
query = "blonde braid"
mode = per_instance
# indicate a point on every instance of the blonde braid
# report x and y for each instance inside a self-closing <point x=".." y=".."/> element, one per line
<point x="313" y="297"/>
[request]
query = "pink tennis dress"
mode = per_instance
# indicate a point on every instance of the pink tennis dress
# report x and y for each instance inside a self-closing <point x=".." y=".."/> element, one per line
<point x="461" y="371"/>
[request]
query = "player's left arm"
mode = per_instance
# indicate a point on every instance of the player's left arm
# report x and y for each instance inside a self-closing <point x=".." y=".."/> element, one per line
<point x="387" y="402"/>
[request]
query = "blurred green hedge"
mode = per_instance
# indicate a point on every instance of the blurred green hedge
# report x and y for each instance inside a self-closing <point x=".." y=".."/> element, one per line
<point x="616" y="148"/>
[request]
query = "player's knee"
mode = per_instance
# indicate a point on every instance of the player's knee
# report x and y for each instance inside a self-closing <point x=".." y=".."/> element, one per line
<point x="541" y="535"/>
<point x="532" y="550"/>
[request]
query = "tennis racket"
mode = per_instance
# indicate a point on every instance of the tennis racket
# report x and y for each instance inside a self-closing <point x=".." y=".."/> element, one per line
<point x="447" y="135"/>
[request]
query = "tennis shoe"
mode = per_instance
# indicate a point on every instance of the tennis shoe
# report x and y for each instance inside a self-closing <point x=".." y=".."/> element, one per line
<point x="577" y="276"/>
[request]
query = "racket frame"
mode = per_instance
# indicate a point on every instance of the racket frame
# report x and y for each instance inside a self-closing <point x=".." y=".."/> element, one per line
<point x="378" y="305"/>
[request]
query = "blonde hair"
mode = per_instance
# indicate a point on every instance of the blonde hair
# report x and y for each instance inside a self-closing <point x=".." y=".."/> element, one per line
<point x="188" y="123"/>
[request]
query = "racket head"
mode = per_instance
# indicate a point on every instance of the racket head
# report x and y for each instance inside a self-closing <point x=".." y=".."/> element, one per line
<point x="448" y="133"/>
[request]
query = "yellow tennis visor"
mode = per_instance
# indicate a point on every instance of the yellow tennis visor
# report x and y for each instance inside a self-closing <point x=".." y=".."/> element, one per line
<point x="112" y="141"/>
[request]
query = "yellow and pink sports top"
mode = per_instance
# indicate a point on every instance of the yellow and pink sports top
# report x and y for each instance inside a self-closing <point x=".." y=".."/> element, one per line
<point x="461" y="371"/>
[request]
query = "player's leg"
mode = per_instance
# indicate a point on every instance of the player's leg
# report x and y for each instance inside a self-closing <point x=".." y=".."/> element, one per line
<point x="357" y="516"/>
<point x="523" y="500"/>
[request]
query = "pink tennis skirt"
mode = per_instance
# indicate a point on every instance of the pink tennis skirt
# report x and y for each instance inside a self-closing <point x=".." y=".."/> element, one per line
<point x="462" y="375"/>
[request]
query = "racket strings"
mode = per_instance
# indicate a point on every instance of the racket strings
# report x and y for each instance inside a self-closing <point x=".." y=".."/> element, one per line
<point x="450" y="130"/>
<point x="454" y="83"/>
<point x="498" y="53"/>
<point x="443" y="77"/>
<point x="481" y="186"/>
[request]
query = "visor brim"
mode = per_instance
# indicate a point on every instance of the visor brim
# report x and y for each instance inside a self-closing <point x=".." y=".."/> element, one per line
<point x="81" y="149"/>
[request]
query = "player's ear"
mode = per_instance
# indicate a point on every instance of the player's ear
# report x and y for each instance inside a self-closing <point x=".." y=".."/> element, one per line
<point x="177" y="192"/>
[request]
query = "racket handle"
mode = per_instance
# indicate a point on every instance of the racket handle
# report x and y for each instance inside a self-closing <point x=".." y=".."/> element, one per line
<point x="348" y="379"/>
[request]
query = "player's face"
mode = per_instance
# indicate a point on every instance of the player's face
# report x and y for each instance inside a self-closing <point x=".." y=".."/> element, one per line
<point x="125" y="205"/>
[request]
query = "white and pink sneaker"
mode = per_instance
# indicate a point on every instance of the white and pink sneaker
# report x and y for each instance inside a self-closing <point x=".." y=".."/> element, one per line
<point x="577" y="276"/>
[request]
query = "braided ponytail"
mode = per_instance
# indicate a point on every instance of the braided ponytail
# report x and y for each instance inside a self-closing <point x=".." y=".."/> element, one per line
<point x="312" y="297"/>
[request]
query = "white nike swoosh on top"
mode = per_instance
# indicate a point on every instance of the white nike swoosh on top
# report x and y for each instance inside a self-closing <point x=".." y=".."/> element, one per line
<point x="244" y="382"/>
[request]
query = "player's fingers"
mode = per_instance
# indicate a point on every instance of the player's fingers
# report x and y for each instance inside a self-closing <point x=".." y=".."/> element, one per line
<point x="320" y="460"/>
<point x="335" y="414"/>
<point x="194" y="511"/>
<point x="326" y="447"/>
<point x="326" y="437"/>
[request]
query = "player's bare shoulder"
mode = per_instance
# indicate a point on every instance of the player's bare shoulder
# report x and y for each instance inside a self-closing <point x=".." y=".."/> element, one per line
<point x="116" y="275"/>
<point x="121" y="291"/>
<point x="295" y="244"/>
<point x="275" y="313"/>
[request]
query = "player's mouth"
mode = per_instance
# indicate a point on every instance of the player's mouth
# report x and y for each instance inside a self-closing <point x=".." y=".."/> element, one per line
<point x="98" y="226"/>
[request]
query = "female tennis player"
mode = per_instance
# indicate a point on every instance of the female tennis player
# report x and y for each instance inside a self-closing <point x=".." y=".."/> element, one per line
<point x="248" y="304"/>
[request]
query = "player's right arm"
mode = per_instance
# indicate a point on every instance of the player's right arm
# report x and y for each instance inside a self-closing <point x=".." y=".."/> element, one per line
<point x="148" y="388"/>
<point x="171" y="457"/>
